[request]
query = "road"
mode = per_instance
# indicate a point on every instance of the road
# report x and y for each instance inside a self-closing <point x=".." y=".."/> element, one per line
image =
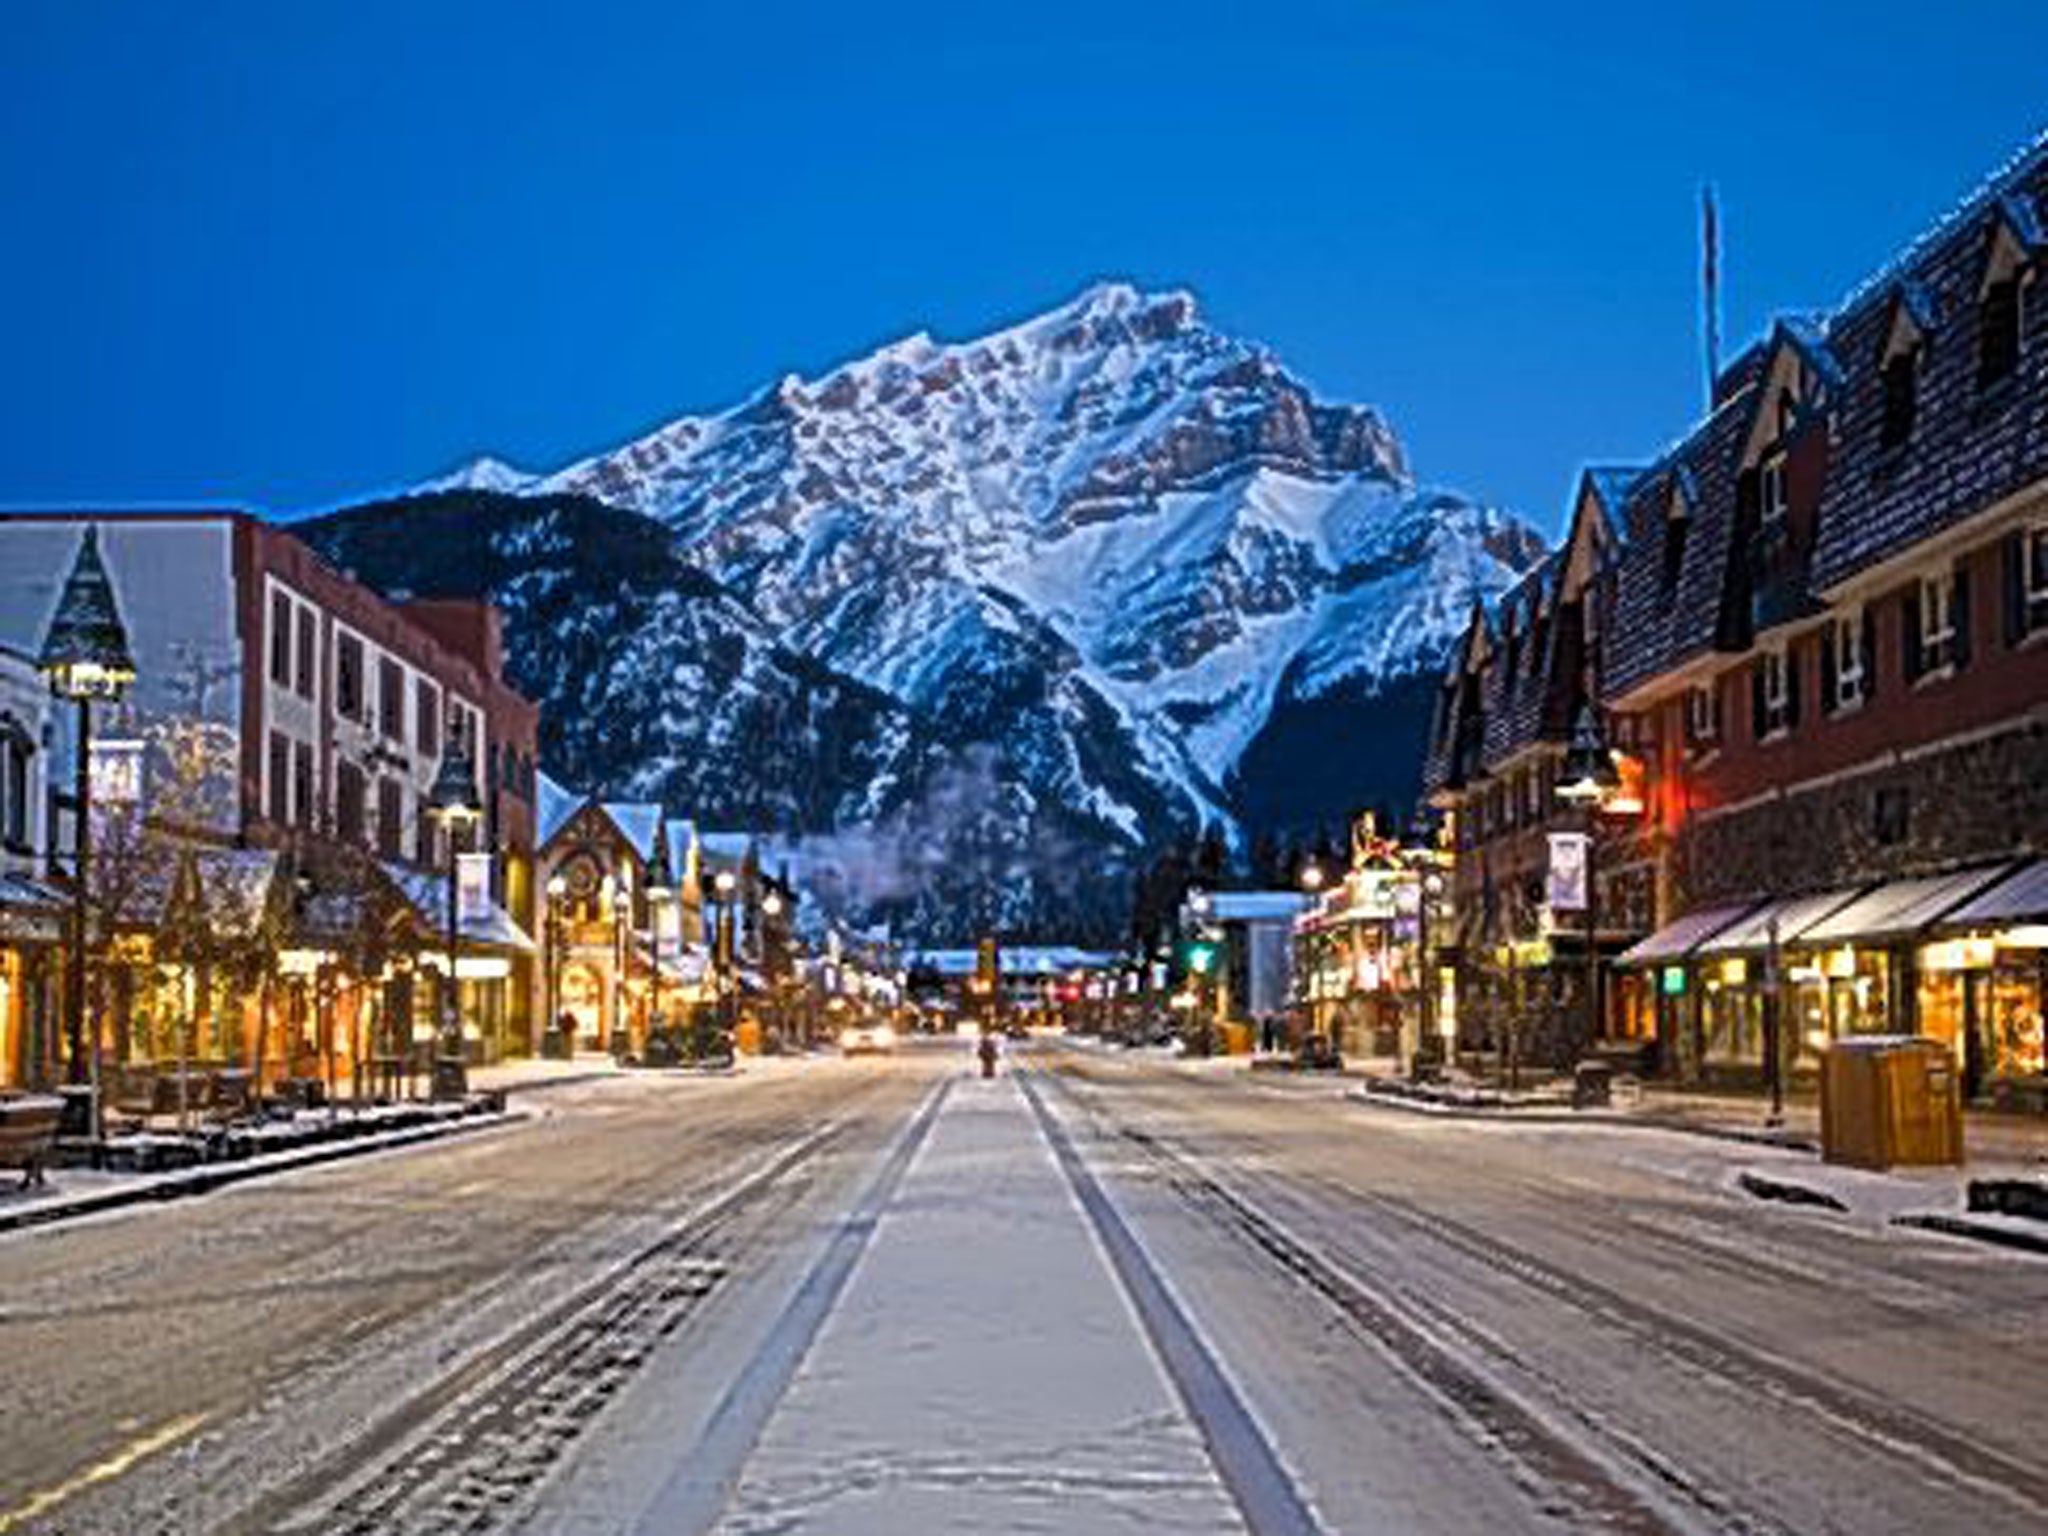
<point x="1106" y="1292"/>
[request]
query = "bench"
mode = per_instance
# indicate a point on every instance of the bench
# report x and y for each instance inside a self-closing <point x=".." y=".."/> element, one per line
<point x="28" y="1129"/>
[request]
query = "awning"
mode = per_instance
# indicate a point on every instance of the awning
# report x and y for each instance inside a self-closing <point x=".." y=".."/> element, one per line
<point x="1792" y="914"/>
<point x="428" y="896"/>
<point x="1900" y="908"/>
<point x="1676" y="940"/>
<point x="2022" y="899"/>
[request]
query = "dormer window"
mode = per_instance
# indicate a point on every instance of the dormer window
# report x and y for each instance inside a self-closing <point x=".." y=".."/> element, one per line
<point x="2002" y="305"/>
<point x="1998" y="331"/>
<point x="1900" y="400"/>
<point x="1771" y="501"/>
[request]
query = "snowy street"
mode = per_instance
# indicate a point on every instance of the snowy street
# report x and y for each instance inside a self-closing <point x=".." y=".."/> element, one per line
<point x="1105" y="1292"/>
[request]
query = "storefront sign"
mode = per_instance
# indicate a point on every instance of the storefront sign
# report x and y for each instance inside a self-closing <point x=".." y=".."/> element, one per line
<point x="1674" y="981"/>
<point x="1565" y="890"/>
<point x="1959" y="955"/>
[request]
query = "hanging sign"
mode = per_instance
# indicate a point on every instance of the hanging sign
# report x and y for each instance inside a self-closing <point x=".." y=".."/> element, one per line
<point x="117" y="772"/>
<point x="1566" y="887"/>
<point x="472" y="887"/>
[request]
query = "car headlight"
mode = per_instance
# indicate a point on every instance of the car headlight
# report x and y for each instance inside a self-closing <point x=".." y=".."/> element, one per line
<point x="885" y="1036"/>
<point x="847" y="1037"/>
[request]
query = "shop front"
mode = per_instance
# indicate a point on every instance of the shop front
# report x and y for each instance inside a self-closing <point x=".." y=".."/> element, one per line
<point x="31" y="927"/>
<point x="1983" y="980"/>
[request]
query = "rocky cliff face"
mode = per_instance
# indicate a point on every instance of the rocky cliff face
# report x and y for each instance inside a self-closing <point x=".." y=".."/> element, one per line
<point x="1131" y="564"/>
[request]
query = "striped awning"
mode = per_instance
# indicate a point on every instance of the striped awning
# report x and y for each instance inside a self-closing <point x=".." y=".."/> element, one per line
<point x="2020" y="899"/>
<point x="1901" y="908"/>
<point x="1792" y="916"/>
<point x="1674" y="941"/>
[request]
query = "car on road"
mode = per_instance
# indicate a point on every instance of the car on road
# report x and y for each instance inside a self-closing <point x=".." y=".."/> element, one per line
<point x="867" y="1039"/>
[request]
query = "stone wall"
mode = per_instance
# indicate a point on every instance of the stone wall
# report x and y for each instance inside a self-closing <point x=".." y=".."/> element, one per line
<point x="1973" y="802"/>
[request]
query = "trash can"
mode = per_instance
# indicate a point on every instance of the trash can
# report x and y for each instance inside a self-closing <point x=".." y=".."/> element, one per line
<point x="451" y="1077"/>
<point x="1888" y="1101"/>
<point x="1593" y="1084"/>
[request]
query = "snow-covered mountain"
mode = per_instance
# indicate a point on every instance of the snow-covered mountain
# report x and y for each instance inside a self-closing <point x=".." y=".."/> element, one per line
<point x="1115" y="543"/>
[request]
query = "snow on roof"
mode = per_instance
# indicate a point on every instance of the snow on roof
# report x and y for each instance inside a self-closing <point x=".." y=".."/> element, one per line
<point x="682" y="832"/>
<point x="639" y="822"/>
<point x="557" y="803"/>
<point x="427" y="893"/>
<point x="1018" y="960"/>
<point x="1256" y="906"/>
<point x="725" y="845"/>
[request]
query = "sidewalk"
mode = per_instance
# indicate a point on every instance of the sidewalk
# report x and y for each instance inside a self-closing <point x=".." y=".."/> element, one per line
<point x="983" y="1370"/>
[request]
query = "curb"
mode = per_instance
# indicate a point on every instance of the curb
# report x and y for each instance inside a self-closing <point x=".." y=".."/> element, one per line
<point x="204" y="1180"/>
<point x="1784" y="1140"/>
<point x="1975" y="1231"/>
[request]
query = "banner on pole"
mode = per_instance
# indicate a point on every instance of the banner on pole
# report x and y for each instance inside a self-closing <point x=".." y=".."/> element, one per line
<point x="1566" y="890"/>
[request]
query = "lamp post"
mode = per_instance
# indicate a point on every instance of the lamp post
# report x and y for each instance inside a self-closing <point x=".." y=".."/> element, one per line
<point x="453" y="802"/>
<point x="1588" y="778"/>
<point x="557" y="889"/>
<point x="1307" y="956"/>
<point x="727" y="885"/>
<point x="85" y="656"/>
<point x="660" y="888"/>
<point x="771" y="909"/>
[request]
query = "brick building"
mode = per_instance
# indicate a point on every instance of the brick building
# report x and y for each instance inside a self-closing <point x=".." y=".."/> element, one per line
<point x="1817" y="627"/>
<point x="296" y="714"/>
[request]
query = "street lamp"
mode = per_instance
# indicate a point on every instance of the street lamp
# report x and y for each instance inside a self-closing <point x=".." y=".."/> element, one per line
<point x="1588" y="777"/>
<point x="660" y="887"/>
<point x="85" y="656"/>
<point x="557" y="890"/>
<point x="454" y="803"/>
<point x="727" y="884"/>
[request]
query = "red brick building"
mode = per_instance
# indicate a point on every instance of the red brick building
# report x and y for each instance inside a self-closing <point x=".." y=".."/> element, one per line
<point x="321" y="712"/>
<point x="1817" y="626"/>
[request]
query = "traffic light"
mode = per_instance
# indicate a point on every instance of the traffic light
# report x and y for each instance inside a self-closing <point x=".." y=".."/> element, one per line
<point x="1201" y="957"/>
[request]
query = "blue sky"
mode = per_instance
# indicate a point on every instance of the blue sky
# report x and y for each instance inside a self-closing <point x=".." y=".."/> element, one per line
<point x="259" y="254"/>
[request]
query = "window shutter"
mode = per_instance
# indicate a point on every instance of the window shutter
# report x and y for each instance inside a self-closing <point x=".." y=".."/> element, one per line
<point x="1869" y="650"/>
<point x="1792" y="671"/>
<point x="1828" y="668"/>
<point x="1756" y="702"/>
<point x="1909" y="614"/>
<point x="2014" y="558"/>
<point x="1959" y="610"/>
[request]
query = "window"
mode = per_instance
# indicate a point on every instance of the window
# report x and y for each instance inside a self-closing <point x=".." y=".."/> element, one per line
<point x="348" y="677"/>
<point x="391" y="819"/>
<point x="423" y="830"/>
<point x="307" y="628"/>
<point x="1773" y="692"/>
<point x="391" y="700"/>
<point x="1771" y="488"/>
<point x="302" y="783"/>
<point x="1937" y="624"/>
<point x="1703" y="716"/>
<point x="15" y="749"/>
<point x="1844" y="662"/>
<point x="1998" y="330"/>
<point x="1891" y="813"/>
<point x="280" y="779"/>
<point x="426" y="718"/>
<point x="1899" y="400"/>
<point x="280" y="640"/>
<point x="351" y="792"/>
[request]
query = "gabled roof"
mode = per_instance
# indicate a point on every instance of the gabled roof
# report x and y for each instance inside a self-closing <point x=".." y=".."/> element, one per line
<point x="557" y="804"/>
<point x="638" y="821"/>
<point x="1610" y="484"/>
